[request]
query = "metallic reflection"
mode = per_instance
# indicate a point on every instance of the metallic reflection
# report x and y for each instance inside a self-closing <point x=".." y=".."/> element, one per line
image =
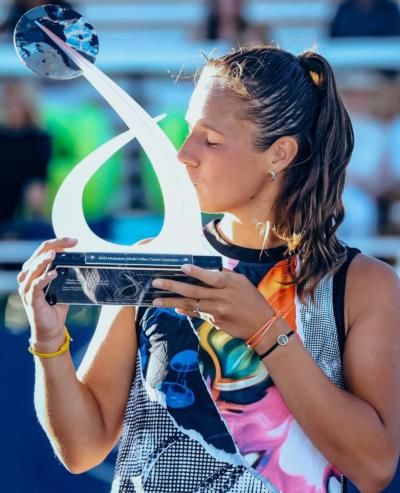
<point x="41" y="54"/>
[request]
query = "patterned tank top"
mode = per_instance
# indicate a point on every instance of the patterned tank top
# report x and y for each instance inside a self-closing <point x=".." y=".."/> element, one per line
<point x="203" y="414"/>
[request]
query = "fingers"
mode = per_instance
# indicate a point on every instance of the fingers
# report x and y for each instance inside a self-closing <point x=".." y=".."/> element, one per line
<point x="203" y="313"/>
<point x="194" y="296"/>
<point x="184" y="289"/>
<point x="21" y="276"/>
<point x="181" y="303"/>
<point x="185" y="306"/>
<point x="216" y="279"/>
<point x="38" y="285"/>
<point x="38" y="267"/>
<point x="56" y="244"/>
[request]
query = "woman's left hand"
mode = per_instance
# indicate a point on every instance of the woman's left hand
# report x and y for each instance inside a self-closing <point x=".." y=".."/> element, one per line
<point x="229" y="300"/>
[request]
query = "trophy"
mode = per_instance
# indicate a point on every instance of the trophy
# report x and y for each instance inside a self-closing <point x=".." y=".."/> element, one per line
<point x="59" y="43"/>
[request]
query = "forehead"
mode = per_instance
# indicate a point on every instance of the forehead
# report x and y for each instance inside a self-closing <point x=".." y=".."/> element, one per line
<point x="211" y="101"/>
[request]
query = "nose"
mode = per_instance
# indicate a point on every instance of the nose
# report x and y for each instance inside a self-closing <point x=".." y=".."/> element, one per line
<point x="187" y="154"/>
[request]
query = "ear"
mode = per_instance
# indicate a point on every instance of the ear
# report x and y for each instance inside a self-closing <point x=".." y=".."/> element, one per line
<point x="282" y="153"/>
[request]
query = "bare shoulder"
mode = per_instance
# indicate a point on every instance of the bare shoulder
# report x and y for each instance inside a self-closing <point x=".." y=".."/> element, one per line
<point x="365" y="271"/>
<point x="371" y="284"/>
<point x="371" y="360"/>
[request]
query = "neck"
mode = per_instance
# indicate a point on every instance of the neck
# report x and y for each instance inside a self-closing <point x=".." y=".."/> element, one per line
<point x="250" y="224"/>
<point x="249" y="233"/>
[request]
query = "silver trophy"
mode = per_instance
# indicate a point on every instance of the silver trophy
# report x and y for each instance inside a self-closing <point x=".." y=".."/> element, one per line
<point x="59" y="43"/>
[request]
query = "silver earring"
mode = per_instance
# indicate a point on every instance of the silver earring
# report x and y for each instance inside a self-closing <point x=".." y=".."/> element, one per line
<point x="273" y="174"/>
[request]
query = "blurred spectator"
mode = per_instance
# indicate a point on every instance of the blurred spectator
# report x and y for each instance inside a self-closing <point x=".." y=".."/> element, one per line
<point x="374" y="171"/>
<point x="18" y="8"/>
<point x="373" y="178"/>
<point x="226" y="21"/>
<point x="25" y="150"/>
<point x="366" y="18"/>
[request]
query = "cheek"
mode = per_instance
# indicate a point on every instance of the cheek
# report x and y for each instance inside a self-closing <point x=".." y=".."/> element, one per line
<point x="225" y="189"/>
<point x="240" y="171"/>
<point x="231" y="171"/>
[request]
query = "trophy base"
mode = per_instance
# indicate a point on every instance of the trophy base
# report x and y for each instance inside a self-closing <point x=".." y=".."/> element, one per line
<point x="94" y="278"/>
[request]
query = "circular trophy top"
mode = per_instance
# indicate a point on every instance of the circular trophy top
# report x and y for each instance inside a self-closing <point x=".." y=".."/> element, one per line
<point x="41" y="54"/>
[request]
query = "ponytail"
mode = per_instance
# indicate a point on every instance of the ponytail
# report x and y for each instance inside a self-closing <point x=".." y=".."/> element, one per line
<point x="297" y="96"/>
<point x="320" y="199"/>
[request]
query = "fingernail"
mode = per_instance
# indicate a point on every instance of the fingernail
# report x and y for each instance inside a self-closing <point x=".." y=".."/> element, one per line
<point x="157" y="302"/>
<point x="186" y="268"/>
<point x="72" y="240"/>
<point x="157" y="283"/>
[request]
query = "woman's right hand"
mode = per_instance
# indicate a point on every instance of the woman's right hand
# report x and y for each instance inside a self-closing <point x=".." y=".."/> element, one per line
<point x="46" y="321"/>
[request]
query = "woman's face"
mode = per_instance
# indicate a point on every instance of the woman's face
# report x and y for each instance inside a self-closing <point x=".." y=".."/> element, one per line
<point x="228" y="173"/>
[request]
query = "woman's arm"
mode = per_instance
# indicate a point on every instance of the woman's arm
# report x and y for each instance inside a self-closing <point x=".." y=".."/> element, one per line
<point x="82" y="413"/>
<point x="358" y="430"/>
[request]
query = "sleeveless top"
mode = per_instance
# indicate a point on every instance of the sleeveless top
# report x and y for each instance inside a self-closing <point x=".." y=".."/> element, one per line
<point x="203" y="414"/>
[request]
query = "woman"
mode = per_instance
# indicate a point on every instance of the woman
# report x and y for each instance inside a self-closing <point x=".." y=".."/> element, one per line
<point x="281" y="374"/>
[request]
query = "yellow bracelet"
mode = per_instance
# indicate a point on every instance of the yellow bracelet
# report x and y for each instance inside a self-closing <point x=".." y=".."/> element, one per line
<point x="61" y="350"/>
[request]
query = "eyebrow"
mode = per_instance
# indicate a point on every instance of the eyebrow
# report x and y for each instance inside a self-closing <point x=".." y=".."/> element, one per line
<point x="208" y="127"/>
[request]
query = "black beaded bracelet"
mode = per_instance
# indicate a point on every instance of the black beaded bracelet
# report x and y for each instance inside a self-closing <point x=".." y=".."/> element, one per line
<point x="281" y="340"/>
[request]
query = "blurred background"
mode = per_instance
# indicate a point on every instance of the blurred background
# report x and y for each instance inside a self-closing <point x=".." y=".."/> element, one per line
<point x="152" y="50"/>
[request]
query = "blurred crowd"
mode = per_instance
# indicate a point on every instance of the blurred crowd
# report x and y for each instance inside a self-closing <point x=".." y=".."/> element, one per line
<point x="44" y="133"/>
<point x="40" y="143"/>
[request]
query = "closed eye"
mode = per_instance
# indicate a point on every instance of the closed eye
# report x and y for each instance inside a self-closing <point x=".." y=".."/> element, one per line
<point x="212" y="144"/>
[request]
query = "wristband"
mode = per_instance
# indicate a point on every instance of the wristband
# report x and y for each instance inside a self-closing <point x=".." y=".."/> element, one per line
<point x="281" y="340"/>
<point x="61" y="350"/>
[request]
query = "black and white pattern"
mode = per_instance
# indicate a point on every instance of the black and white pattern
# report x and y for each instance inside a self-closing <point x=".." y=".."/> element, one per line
<point x="317" y="327"/>
<point x="156" y="457"/>
<point x="159" y="454"/>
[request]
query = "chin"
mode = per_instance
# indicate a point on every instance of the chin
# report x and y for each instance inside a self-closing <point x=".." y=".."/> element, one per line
<point x="212" y="207"/>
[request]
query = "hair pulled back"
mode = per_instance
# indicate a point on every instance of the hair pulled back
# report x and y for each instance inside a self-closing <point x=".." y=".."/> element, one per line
<point x="288" y="95"/>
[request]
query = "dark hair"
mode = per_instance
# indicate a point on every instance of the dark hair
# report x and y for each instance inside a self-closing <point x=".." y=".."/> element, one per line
<point x="295" y="96"/>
